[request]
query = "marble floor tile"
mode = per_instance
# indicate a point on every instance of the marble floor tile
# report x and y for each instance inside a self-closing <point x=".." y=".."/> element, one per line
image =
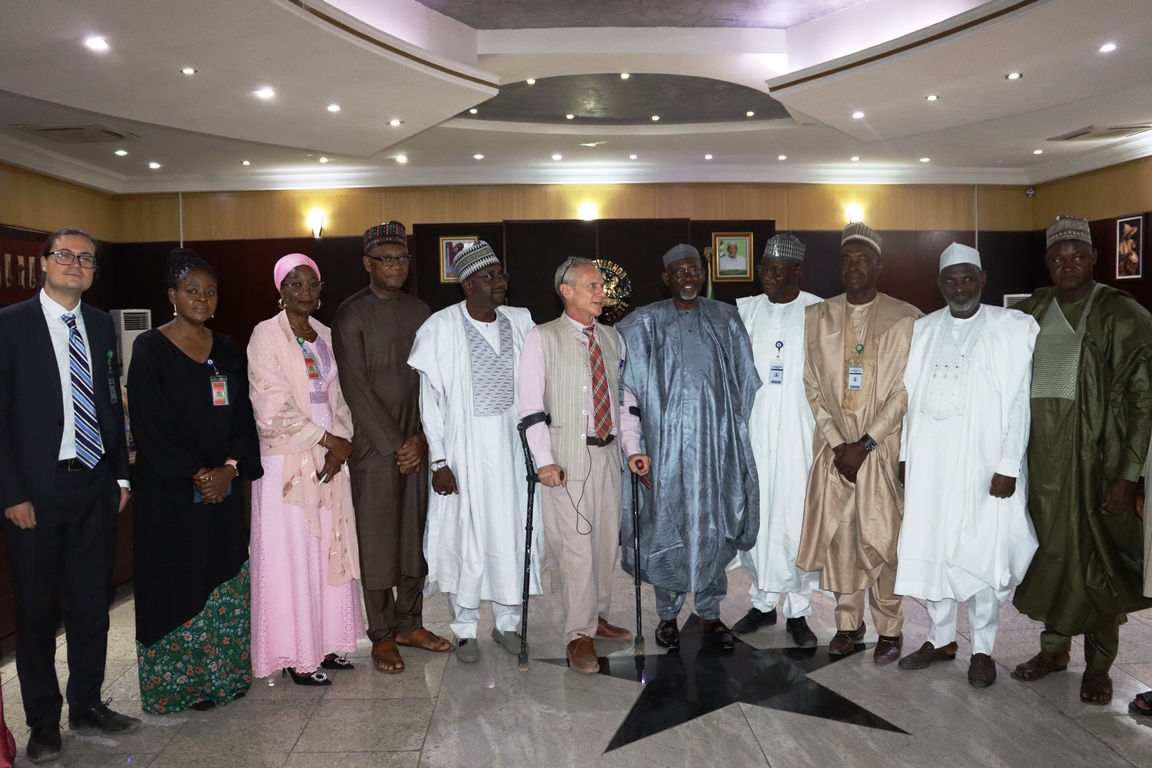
<point x="355" y="725"/>
<point x="1127" y="735"/>
<point x="1142" y="672"/>
<point x="353" y="759"/>
<point x="73" y="760"/>
<point x="244" y="727"/>
<point x="175" y="759"/>
<point x="1062" y="690"/>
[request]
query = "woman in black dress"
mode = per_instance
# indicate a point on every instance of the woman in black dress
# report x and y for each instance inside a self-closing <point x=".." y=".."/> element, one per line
<point x="196" y="439"/>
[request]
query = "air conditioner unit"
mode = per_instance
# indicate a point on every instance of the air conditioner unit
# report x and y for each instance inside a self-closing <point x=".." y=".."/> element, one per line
<point x="130" y="323"/>
<point x="1012" y="299"/>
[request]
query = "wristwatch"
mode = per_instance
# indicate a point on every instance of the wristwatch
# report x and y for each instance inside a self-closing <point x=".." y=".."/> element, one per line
<point x="436" y="466"/>
<point x="869" y="444"/>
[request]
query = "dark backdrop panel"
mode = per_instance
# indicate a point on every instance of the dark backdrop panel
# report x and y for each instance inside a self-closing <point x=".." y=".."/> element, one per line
<point x="762" y="231"/>
<point x="1014" y="263"/>
<point x="637" y="245"/>
<point x="532" y="252"/>
<point x="426" y="252"/>
<point x="1104" y="239"/>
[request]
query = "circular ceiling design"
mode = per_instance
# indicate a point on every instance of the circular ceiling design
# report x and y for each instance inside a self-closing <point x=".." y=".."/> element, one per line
<point x="548" y="14"/>
<point x="607" y="99"/>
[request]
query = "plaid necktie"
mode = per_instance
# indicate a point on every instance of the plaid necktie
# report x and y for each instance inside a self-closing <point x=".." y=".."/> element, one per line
<point x="601" y="404"/>
<point x="89" y="447"/>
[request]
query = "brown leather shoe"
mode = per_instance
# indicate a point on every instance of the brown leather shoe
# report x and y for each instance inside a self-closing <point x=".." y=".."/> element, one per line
<point x="1041" y="665"/>
<point x="888" y="649"/>
<point x="582" y="655"/>
<point x="606" y="631"/>
<point x="844" y="643"/>
<point x="928" y="655"/>
<point x="982" y="670"/>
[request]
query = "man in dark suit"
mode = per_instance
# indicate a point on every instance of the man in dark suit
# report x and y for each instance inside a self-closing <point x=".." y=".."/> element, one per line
<point x="63" y="479"/>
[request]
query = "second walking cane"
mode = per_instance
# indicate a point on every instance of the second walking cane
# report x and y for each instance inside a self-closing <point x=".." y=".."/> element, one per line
<point x="638" y="645"/>
<point x="533" y="479"/>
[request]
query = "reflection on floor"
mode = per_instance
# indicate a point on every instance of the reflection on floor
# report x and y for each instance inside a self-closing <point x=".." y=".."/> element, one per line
<point x="763" y="705"/>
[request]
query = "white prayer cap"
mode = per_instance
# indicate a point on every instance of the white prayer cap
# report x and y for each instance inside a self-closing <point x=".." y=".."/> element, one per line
<point x="959" y="254"/>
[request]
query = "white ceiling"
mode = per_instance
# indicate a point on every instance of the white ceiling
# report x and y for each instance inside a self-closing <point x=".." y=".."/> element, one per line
<point x="426" y="68"/>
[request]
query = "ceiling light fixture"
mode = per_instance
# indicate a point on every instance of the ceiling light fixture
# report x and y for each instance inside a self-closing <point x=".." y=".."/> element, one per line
<point x="857" y="114"/>
<point x="96" y="43"/>
<point x="395" y="123"/>
<point x="333" y="107"/>
<point x="624" y="75"/>
<point x="153" y="166"/>
<point x="246" y="163"/>
<point x="401" y="159"/>
<point x="932" y="97"/>
<point x="473" y="111"/>
<point x="557" y="157"/>
<point x="1013" y="76"/>
<point x="631" y="157"/>
<point x="855" y="158"/>
<point x="323" y="159"/>
<point x="1037" y="151"/>
<point x="121" y="152"/>
<point x="925" y="159"/>
<point x="187" y="71"/>
<point x="750" y="113"/>
<point x="1107" y="47"/>
<point x="265" y="93"/>
<point x="655" y="118"/>
<point x="530" y="81"/>
<point x="782" y="157"/>
<point x="477" y="157"/>
<point x="707" y="157"/>
<point x="569" y="116"/>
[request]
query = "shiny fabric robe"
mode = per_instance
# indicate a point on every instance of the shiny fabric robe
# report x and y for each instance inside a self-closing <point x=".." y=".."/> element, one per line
<point x="1089" y="568"/>
<point x="876" y="499"/>
<point x="705" y="502"/>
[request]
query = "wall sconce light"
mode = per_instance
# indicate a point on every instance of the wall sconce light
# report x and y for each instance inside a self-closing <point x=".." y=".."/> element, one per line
<point x="588" y="211"/>
<point x="855" y="213"/>
<point x="316" y="222"/>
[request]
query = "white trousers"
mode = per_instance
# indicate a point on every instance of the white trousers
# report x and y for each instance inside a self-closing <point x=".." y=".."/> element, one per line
<point x="983" y="618"/>
<point x="796" y="604"/>
<point x="464" y="620"/>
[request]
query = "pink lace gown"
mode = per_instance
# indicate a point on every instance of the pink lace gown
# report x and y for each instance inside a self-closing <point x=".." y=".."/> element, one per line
<point x="297" y="617"/>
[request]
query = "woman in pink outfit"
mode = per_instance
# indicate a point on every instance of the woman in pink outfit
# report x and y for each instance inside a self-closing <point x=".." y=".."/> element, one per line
<point x="306" y="610"/>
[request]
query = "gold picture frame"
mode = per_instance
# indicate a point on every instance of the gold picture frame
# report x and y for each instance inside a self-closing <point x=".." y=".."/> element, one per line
<point x="450" y="247"/>
<point x="732" y="257"/>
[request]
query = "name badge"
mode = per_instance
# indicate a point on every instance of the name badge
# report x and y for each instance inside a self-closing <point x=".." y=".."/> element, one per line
<point x="219" y="390"/>
<point x="776" y="373"/>
<point x="855" y="378"/>
<point x="313" y="368"/>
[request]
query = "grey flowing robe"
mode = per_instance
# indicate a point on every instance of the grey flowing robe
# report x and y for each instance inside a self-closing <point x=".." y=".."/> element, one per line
<point x="705" y="502"/>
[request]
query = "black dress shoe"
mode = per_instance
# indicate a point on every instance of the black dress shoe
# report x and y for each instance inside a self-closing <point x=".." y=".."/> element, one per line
<point x="100" y="718"/>
<point x="753" y="620"/>
<point x="668" y="634"/>
<point x="44" y="742"/>
<point x="802" y="635"/>
<point x="717" y="635"/>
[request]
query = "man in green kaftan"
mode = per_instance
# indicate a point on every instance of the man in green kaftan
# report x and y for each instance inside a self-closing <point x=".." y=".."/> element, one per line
<point x="1091" y="421"/>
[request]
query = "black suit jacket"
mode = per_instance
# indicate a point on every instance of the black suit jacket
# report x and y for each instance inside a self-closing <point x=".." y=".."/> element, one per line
<point x="32" y="403"/>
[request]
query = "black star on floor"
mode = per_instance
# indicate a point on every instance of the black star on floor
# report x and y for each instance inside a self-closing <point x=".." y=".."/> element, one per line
<point x="682" y="685"/>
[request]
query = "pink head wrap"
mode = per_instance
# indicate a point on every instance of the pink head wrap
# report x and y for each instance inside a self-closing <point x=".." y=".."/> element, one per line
<point x="289" y="263"/>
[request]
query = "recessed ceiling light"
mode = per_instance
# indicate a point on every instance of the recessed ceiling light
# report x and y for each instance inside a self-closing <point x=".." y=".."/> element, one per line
<point x="624" y="75"/>
<point x="631" y="157"/>
<point x="1107" y="47"/>
<point x="121" y="152"/>
<point x="925" y="159"/>
<point x="265" y="93"/>
<point x="153" y="166"/>
<point x="932" y="97"/>
<point x="96" y="43"/>
<point x="187" y="71"/>
<point x="477" y="157"/>
<point x="569" y="116"/>
<point x="855" y="158"/>
<point x="1013" y="76"/>
<point x="707" y="157"/>
<point x="333" y="107"/>
<point x="531" y="81"/>
<point x="655" y="118"/>
<point x="246" y="162"/>
<point x="781" y="157"/>
<point x="1037" y="151"/>
<point x="323" y="159"/>
<point x="401" y="159"/>
<point x="857" y="114"/>
<point x="473" y="111"/>
<point x="557" y="157"/>
<point x="395" y="123"/>
<point x="750" y="113"/>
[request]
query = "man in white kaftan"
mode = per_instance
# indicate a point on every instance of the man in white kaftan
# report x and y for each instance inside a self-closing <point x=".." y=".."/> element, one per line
<point x="966" y="533"/>
<point x="780" y="429"/>
<point x="467" y="356"/>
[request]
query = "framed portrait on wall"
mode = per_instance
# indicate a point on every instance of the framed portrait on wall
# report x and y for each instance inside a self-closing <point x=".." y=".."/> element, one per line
<point x="450" y="248"/>
<point x="732" y="256"/>
<point x="1130" y="248"/>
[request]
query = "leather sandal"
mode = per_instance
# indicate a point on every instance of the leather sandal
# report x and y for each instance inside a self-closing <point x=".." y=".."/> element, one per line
<point x="1141" y="698"/>
<point x="385" y="653"/>
<point x="1040" y="666"/>
<point x="1095" y="687"/>
<point x="422" y="638"/>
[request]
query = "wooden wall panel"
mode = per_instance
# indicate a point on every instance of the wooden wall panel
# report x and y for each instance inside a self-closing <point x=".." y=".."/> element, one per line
<point x="1109" y="192"/>
<point x="1005" y="209"/>
<point x="755" y="201"/>
<point x="687" y="201"/>
<point x="35" y="201"/>
<point x="147" y="218"/>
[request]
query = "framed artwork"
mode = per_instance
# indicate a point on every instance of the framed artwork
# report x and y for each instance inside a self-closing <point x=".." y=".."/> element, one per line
<point x="1130" y="248"/>
<point x="450" y="248"/>
<point x="732" y="256"/>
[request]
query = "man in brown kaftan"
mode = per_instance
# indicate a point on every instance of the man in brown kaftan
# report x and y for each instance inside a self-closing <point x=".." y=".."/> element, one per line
<point x="372" y="338"/>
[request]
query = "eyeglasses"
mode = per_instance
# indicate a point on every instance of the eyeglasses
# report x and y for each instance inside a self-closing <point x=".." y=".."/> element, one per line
<point x="391" y="261"/>
<point x="312" y="285"/>
<point x="682" y="273"/>
<point x="488" y="277"/>
<point x="67" y="259"/>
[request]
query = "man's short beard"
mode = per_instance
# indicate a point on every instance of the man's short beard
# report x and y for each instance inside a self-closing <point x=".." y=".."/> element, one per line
<point x="964" y="307"/>
<point x="686" y="295"/>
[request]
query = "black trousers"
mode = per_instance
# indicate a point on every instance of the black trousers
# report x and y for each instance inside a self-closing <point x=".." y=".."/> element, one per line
<point x="67" y="556"/>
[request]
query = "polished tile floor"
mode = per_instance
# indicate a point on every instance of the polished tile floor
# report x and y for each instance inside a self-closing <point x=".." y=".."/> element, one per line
<point x="440" y="712"/>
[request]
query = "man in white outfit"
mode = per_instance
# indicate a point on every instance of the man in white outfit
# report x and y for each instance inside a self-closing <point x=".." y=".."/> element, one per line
<point x="780" y="428"/>
<point x="966" y="533"/>
<point x="467" y="356"/>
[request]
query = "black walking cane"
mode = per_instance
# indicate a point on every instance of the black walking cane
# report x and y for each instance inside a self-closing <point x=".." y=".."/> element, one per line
<point x="533" y="479"/>
<point x="638" y="645"/>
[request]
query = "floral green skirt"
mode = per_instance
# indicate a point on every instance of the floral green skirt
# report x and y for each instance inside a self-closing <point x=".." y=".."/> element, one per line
<point x="207" y="657"/>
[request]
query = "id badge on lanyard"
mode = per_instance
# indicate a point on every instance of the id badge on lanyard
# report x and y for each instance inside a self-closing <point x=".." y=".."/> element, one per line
<point x="776" y="370"/>
<point x="219" y="384"/>
<point x="856" y="372"/>
<point x="312" y="366"/>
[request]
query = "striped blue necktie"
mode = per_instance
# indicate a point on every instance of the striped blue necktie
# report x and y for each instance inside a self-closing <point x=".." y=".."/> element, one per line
<point x="89" y="447"/>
